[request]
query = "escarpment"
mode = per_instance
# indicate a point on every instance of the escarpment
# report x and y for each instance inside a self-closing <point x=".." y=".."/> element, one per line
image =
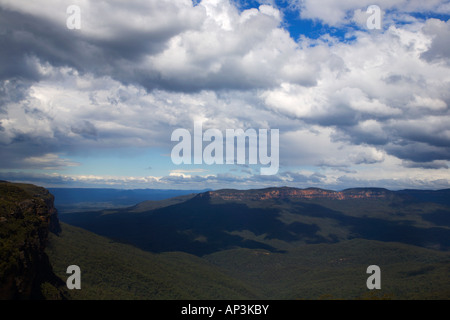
<point x="27" y="215"/>
<point x="295" y="193"/>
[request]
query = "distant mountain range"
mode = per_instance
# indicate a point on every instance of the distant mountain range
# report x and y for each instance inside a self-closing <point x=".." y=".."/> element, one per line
<point x="273" y="243"/>
<point x="317" y="193"/>
<point x="290" y="243"/>
<point x="82" y="199"/>
<point x="276" y="219"/>
<point x="295" y="193"/>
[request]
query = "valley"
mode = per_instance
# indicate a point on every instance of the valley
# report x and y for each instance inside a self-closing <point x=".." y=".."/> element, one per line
<point x="264" y="244"/>
<point x="297" y="244"/>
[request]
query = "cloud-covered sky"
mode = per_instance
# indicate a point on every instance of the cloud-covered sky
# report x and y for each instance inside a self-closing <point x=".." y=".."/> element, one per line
<point x="96" y="106"/>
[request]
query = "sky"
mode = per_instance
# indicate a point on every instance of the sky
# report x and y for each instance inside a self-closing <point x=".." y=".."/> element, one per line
<point x="95" y="104"/>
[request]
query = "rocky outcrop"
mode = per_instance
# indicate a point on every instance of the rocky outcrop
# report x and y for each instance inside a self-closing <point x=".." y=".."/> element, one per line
<point x="294" y="193"/>
<point x="27" y="215"/>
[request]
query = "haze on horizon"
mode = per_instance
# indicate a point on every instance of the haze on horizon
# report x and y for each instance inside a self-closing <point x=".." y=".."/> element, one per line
<point x="96" y="106"/>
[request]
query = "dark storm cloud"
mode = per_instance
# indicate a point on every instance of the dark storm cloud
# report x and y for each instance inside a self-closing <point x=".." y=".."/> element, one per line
<point x="24" y="146"/>
<point x="357" y="135"/>
<point x="86" y="129"/>
<point x="418" y="152"/>
<point x="414" y="146"/>
<point x="426" y="165"/>
<point x="24" y="36"/>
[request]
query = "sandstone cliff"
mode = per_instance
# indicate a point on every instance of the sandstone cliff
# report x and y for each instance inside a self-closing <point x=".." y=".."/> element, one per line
<point x="294" y="193"/>
<point x="27" y="215"/>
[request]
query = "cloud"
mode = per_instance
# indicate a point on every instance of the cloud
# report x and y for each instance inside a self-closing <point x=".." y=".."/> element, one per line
<point x="136" y="72"/>
<point x="114" y="44"/>
<point x="338" y="13"/>
<point x="393" y="184"/>
<point x="185" y="173"/>
<point x="427" y="165"/>
<point x="335" y="180"/>
<point x="171" y="45"/>
<point x="49" y="162"/>
<point x="85" y="128"/>
<point x="384" y="95"/>
<point x="440" y="45"/>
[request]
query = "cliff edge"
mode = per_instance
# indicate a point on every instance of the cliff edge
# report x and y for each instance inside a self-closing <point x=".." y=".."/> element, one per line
<point x="27" y="215"/>
<point x="295" y="193"/>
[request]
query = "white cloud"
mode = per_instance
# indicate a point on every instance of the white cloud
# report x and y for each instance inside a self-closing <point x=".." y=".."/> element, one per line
<point x="136" y="72"/>
<point x="427" y="102"/>
<point x="232" y="50"/>
<point x="337" y="13"/>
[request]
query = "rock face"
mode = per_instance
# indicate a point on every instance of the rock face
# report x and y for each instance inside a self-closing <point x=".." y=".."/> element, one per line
<point x="294" y="193"/>
<point x="27" y="215"/>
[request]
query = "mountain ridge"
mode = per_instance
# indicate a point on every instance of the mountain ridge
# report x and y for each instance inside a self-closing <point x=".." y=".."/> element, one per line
<point x="297" y="193"/>
<point x="275" y="219"/>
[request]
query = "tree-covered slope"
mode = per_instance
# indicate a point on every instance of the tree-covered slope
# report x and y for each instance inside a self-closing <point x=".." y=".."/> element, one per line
<point x="26" y="216"/>
<point x="339" y="270"/>
<point x="111" y="270"/>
